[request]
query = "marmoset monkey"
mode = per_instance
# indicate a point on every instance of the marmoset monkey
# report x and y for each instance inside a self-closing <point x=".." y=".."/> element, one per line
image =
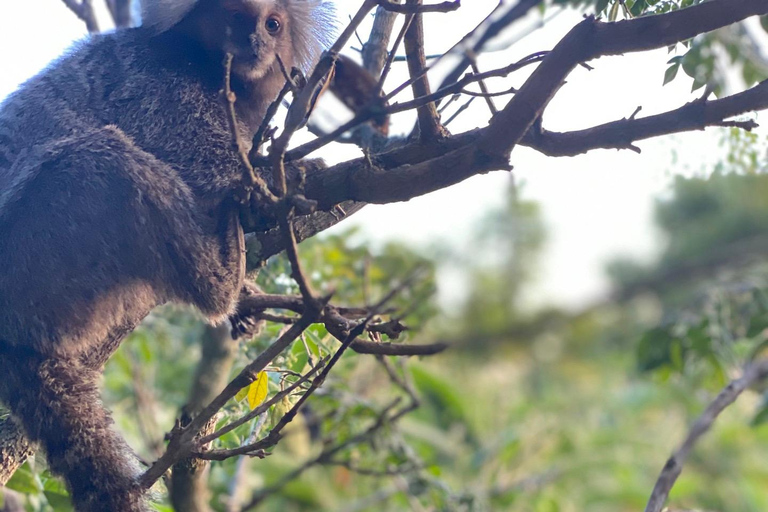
<point x="116" y="179"/>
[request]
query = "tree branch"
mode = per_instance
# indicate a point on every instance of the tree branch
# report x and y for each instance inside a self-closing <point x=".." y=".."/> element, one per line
<point x="84" y="10"/>
<point x="14" y="448"/>
<point x="120" y="10"/>
<point x="695" y="115"/>
<point x="429" y="121"/>
<point x="413" y="8"/>
<point x="674" y="466"/>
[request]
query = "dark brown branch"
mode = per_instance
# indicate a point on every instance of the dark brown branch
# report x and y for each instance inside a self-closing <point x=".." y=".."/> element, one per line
<point x="585" y="41"/>
<point x="375" y="49"/>
<point x="430" y="128"/>
<point x="418" y="169"/>
<point x="651" y="32"/>
<point x="262" y="246"/>
<point x="484" y="91"/>
<point x="339" y="321"/>
<point x="359" y="181"/>
<point x="621" y="134"/>
<point x="412" y="8"/>
<point x="463" y="108"/>
<point x="84" y="10"/>
<point x="397" y="349"/>
<point x="393" y="53"/>
<point x="14" y="448"/>
<point x="367" y="114"/>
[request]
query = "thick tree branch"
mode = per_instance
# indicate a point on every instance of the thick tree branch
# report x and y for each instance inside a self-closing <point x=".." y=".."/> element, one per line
<point x="359" y="181"/>
<point x="621" y="134"/>
<point x="651" y="32"/>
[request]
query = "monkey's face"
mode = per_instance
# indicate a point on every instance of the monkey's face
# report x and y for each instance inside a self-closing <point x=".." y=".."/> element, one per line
<point x="256" y="33"/>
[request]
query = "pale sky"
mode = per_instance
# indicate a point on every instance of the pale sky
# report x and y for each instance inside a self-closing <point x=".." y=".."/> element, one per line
<point x="596" y="206"/>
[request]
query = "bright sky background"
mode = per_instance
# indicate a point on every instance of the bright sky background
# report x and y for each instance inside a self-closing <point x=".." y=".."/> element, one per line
<point x="596" y="206"/>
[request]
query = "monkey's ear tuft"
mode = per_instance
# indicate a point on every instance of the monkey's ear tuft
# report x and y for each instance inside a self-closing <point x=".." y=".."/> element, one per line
<point x="161" y="15"/>
<point x="314" y="27"/>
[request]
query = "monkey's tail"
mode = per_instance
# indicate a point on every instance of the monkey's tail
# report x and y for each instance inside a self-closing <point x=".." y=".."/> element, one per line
<point x="58" y="404"/>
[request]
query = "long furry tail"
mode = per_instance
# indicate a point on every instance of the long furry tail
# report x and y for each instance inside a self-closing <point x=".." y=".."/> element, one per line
<point x="58" y="404"/>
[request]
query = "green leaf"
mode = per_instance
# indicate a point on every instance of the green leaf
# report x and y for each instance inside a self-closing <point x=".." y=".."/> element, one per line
<point x="25" y="481"/>
<point x="654" y="349"/>
<point x="697" y="84"/>
<point x="54" y="485"/>
<point x="240" y="396"/>
<point x="614" y="12"/>
<point x="638" y="8"/>
<point x="161" y="508"/>
<point x="671" y="73"/>
<point x="59" y="502"/>
<point x="547" y="505"/>
<point x="761" y="417"/>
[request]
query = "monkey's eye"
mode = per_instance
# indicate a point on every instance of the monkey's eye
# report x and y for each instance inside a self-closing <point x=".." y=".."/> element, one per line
<point x="273" y="25"/>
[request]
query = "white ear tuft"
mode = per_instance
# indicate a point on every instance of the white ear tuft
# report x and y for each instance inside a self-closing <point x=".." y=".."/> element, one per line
<point x="314" y="28"/>
<point x="161" y="15"/>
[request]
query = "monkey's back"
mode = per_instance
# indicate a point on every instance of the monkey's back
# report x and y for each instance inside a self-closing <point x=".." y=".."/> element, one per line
<point x="114" y="163"/>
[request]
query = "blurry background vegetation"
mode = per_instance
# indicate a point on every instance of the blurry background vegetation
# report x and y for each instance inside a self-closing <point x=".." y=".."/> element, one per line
<point x="541" y="410"/>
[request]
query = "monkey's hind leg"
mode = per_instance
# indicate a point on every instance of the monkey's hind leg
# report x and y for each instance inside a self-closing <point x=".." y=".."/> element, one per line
<point x="57" y="402"/>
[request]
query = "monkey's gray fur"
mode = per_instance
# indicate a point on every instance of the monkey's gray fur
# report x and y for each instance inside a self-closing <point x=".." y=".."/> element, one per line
<point x="116" y="177"/>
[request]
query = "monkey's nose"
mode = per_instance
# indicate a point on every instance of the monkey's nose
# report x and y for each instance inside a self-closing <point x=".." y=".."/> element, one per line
<point x="256" y="45"/>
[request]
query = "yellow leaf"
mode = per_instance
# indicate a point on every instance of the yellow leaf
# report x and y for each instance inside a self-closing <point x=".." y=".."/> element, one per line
<point x="257" y="391"/>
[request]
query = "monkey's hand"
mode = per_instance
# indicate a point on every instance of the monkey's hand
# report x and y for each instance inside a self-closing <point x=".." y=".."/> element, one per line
<point x="246" y="321"/>
<point x="256" y="216"/>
